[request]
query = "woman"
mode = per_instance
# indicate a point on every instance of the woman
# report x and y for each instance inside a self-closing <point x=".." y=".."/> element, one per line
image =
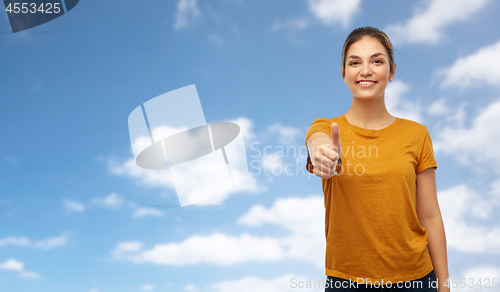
<point x="382" y="222"/>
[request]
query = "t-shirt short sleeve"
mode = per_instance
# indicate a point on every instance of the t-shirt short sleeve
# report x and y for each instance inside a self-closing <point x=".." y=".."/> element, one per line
<point x="426" y="159"/>
<point x="319" y="125"/>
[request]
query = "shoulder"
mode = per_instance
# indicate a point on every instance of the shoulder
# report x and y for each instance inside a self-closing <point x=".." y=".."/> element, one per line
<point x="326" y="121"/>
<point x="336" y="119"/>
<point x="413" y="126"/>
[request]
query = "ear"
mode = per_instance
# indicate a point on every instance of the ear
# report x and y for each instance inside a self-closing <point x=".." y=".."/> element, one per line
<point x="393" y="71"/>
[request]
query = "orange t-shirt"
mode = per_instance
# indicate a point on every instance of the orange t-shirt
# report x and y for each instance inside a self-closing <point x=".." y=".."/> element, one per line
<point x="371" y="224"/>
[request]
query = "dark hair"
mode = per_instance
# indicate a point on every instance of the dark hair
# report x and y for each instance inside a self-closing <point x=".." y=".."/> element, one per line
<point x="369" y="31"/>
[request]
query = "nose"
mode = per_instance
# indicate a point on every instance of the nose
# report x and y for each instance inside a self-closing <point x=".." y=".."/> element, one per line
<point x="366" y="70"/>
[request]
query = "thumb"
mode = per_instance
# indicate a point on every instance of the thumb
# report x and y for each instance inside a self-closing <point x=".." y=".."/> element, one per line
<point x="336" y="137"/>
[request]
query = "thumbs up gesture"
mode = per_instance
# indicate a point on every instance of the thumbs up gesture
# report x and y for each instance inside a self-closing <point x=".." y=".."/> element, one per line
<point x="325" y="152"/>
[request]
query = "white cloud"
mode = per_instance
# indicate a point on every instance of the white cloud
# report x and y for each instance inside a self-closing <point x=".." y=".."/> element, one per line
<point x="272" y="165"/>
<point x="495" y="188"/>
<point x="248" y="185"/>
<point x="93" y="290"/>
<point x="13" y="240"/>
<point x="334" y="11"/>
<point x="476" y="145"/>
<point x="112" y="201"/>
<point x="439" y="107"/>
<point x="148" y="287"/>
<point x="190" y="288"/>
<point x="302" y="217"/>
<point x="52" y="242"/>
<point x="17" y="266"/>
<point x="291" y="24"/>
<point x="12" y="265"/>
<point x="479" y="278"/>
<point x="48" y="243"/>
<point x="294" y="214"/>
<point x="127" y="247"/>
<point x="470" y="71"/>
<point x="428" y="23"/>
<point x="246" y="128"/>
<point x="442" y="109"/>
<point x="327" y="12"/>
<point x="144" y="177"/>
<point x="187" y="13"/>
<point x="398" y="106"/>
<point x="286" y="135"/>
<point x="142" y="212"/>
<point x="217" y="249"/>
<point x="458" y="205"/>
<point x="29" y="275"/>
<point x="274" y="160"/>
<point x="216" y="39"/>
<point x="73" y="206"/>
<point x="461" y="201"/>
<point x="459" y="117"/>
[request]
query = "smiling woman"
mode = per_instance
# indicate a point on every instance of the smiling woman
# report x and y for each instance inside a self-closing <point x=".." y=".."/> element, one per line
<point x="382" y="224"/>
<point x="368" y="67"/>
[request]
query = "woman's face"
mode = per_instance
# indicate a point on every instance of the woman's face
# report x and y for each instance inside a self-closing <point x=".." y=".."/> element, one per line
<point x="367" y="69"/>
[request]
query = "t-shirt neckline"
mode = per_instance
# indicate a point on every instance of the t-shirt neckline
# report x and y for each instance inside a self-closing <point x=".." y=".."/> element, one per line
<point x="371" y="131"/>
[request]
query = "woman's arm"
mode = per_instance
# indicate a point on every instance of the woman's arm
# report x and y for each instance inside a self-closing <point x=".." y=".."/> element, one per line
<point x="324" y="151"/>
<point x="430" y="218"/>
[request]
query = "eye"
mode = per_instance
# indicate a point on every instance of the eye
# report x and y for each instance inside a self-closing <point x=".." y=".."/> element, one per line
<point x="379" y="61"/>
<point x="353" y="63"/>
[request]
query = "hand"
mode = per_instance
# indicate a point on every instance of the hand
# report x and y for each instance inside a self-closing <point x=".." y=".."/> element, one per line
<point x="325" y="156"/>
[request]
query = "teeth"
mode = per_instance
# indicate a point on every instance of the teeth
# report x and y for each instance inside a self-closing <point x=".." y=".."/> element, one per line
<point x="366" y="82"/>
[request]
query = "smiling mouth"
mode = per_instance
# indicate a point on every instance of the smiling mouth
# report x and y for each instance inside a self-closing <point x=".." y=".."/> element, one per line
<point x="366" y="82"/>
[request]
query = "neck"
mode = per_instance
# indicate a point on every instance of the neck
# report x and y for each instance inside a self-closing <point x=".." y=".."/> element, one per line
<point x="369" y="113"/>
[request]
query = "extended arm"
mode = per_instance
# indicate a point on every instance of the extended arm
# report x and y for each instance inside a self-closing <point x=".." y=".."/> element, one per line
<point x="429" y="215"/>
<point x="324" y="151"/>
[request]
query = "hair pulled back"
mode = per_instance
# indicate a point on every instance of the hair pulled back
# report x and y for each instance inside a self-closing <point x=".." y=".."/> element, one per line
<point x="369" y="31"/>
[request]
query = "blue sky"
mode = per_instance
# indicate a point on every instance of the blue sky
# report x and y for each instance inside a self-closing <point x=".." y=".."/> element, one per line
<point x="76" y="215"/>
